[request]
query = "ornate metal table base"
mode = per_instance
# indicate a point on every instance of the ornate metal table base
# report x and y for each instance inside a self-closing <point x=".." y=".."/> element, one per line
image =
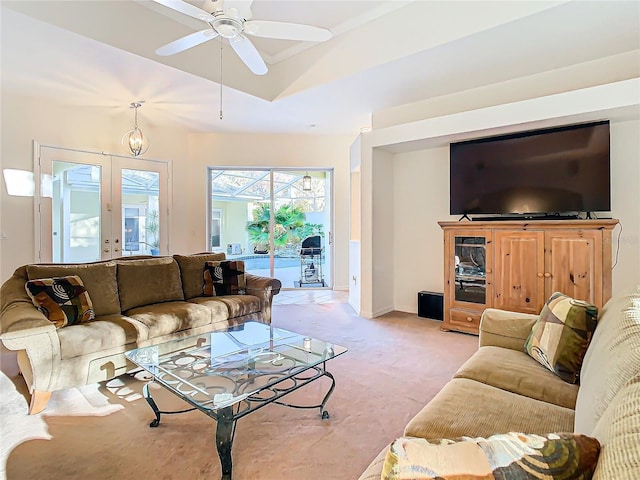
<point x="226" y="417"/>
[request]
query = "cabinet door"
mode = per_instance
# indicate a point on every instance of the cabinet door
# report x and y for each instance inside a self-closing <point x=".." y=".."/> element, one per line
<point x="573" y="264"/>
<point x="519" y="270"/>
<point x="469" y="268"/>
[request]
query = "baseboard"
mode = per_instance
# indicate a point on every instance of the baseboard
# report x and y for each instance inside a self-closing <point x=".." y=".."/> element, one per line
<point x="377" y="313"/>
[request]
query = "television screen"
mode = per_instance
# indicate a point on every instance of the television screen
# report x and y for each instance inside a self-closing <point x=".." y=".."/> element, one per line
<point x="557" y="170"/>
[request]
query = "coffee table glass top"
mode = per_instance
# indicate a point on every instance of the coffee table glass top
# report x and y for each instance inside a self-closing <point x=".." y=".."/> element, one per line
<point x="218" y="369"/>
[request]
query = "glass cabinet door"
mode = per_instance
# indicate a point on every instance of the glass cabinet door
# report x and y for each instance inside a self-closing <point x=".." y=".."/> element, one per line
<point x="470" y="264"/>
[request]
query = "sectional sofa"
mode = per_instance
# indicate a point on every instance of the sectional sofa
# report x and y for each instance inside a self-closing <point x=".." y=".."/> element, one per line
<point x="502" y="389"/>
<point x="136" y="302"/>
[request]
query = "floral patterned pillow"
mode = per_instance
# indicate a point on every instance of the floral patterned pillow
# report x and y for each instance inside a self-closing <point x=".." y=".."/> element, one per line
<point x="224" y="278"/>
<point x="63" y="300"/>
<point x="503" y="456"/>
<point x="561" y="335"/>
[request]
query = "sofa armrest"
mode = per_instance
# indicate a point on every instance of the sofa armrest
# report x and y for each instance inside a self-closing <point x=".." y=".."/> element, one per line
<point x="501" y="328"/>
<point x="264" y="288"/>
<point x="26" y="330"/>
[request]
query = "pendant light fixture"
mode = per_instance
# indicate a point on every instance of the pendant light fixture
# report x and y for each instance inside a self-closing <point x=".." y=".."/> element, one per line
<point x="134" y="142"/>
<point x="306" y="182"/>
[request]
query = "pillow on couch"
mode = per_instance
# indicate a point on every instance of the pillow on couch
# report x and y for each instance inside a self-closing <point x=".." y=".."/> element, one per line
<point x="191" y="268"/>
<point x="224" y="278"/>
<point x="63" y="300"/>
<point x="561" y="335"/>
<point x="509" y="455"/>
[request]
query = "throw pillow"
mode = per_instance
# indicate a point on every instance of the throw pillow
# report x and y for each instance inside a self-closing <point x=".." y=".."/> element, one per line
<point x="561" y="335"/>
<point x="63" y="300"/>
<point x="502" y="456"/>
<point x="191" y="268"/>
<point x="224" y="278"/>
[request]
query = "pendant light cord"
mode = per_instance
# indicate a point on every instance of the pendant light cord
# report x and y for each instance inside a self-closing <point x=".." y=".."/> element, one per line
<point x="220" y="78"/>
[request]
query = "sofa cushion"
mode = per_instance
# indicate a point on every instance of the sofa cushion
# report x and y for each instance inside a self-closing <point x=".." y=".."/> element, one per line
<point x="241" y="305"/>
<point x="103" y="333"/>
<point x="611" y="362"/>
<point x="219" y="309"/>
<point x="98" y="278"/>
<point x="517" y="372"/>
<point x="224" y="278"/>
<point x="192" y="270"/>
<point x="63" y="300"/>
<point x="560" y="337"/>
<point x="506" y="455"/>
<point x="374" y="470"/>
<point x="170" y="317"/>
<point x="148" y="281"/>
<point x="619" y="433"/>
<point x="468" y="408"/>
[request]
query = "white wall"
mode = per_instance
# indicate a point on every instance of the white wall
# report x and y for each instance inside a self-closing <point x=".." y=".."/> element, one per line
<point x="383" y="270"/>
<point x="587" y="74"/>
<point x="625" y="203"/>
<point x="263" y="150"/>
<point x="100" y="129"/>
<point x="418" y="186"/>
<point x="421" y="200"/>
<point x="26" y="119"/>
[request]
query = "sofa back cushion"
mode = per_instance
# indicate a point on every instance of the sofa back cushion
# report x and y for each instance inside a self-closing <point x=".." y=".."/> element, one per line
<point x="617" y="430"/>
<point x="148" y="281"/>
<point x="98" y="278"/>
<point x="611" y="362"/>
<point x="192" y="270"/>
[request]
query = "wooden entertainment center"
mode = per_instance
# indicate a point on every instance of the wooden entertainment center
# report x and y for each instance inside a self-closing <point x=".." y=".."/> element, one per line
<point x="517" y="264"/>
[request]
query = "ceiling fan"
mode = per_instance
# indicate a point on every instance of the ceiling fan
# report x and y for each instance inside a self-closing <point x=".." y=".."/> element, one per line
<point x="231" y="19"/>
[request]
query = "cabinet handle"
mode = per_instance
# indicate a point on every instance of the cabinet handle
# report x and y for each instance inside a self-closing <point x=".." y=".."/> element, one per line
<point x="488" y="270"/>
<point x="469" y="319"/>
<point x="540" y="275"/>
<point x="547" y="274"/>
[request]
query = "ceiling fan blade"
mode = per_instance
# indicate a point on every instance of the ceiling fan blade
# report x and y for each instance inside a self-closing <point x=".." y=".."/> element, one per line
<point x="248" y="54"/>
<point x="187" y="9"/>
<point x="184" y="43"/>
<point x="286" y="31"/>
<point x="243" y="7"/>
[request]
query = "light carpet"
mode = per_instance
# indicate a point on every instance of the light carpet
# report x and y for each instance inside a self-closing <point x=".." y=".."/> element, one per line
<point x="395" y="364"/>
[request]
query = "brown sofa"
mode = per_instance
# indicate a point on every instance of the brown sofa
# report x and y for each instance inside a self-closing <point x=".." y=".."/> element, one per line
<point x="137" y="301"/>
<point x="502" y="389"/>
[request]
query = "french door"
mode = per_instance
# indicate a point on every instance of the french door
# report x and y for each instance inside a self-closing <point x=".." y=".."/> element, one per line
<point x="94" y="206"/>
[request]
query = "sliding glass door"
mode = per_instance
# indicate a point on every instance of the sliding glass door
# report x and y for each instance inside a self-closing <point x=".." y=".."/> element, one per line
<point x="97" y="207"/>
<point x="277" y="221"/>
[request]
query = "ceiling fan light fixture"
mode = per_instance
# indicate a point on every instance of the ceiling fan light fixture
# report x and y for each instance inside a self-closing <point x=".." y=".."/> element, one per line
<point x="228" y="27"/>
<point x="134" y="140"/>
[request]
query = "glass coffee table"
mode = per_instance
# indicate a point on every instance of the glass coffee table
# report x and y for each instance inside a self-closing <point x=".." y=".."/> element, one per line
<point x="231" y="373"/>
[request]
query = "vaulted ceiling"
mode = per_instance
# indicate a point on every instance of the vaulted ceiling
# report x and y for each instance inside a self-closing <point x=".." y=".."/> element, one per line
<point x="382" y="54"/>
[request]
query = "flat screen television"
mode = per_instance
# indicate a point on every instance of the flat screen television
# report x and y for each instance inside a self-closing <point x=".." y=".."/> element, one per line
<point x="539" y="172"/>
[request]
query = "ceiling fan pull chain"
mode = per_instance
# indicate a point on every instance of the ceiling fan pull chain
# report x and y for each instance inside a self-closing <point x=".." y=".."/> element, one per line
<point x="221" y="44"/>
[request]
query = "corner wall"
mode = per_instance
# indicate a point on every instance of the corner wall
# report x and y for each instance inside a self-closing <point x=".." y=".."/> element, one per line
<point x="417" y="153"/>
<point x="279" y="151"/>
<point x="99" y="129"/>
